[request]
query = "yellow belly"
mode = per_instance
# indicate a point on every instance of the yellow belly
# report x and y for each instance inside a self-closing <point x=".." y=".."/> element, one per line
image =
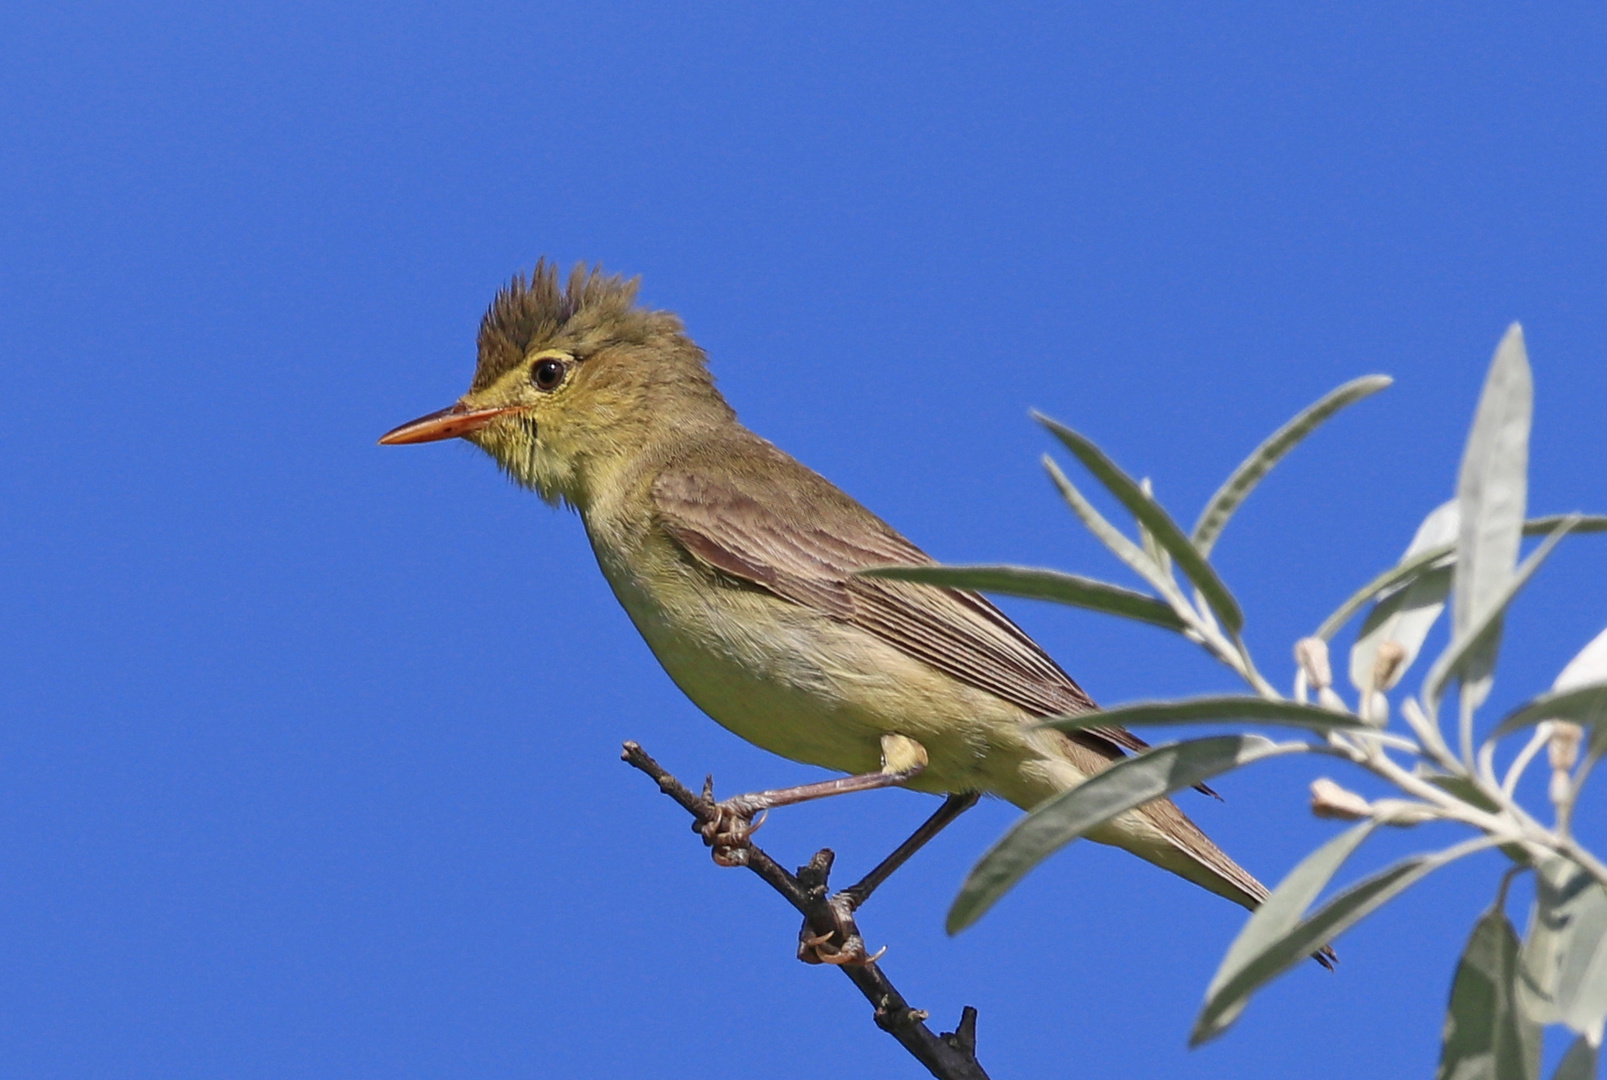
<point x="814" y="689"/>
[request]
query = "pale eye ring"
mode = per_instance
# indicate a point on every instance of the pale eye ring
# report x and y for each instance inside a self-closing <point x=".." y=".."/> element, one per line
<point x="548" y="373"/>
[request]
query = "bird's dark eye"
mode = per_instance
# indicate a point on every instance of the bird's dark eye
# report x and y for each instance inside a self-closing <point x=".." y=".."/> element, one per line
<point x="548" y="373"/>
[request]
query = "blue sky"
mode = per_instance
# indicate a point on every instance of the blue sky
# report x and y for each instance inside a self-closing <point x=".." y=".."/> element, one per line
<point x="308" y="752"/>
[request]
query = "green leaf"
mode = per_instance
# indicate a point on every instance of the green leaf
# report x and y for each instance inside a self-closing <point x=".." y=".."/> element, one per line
<point x="1206" y="709"/>
<point x="1491" y="492"/>
<point x="1156" y="520"/>
<point x="1583" y="705"/>
<point x="1469" y="653"/>
<point x="1587" y="523"/>
<point x="1108" y="534"/>
<point x="1405" y="617"/>
<point x="1486" y="1037"/>
<point x="1127" y="784"/>
<point x="1469" y="792"/>
<point x="1394" y="578"/>
<point x="1260" y="462"/>
<point x="1035" y="584"/>
<point x="1267" y="953"/>
<point x="1406" y="614"/>
<point x="1464" y="789"/>
<point x="1436" y="559"/>
<point x="1588" y="666"/>
<point x="1273" y="921"/>
<point x="1579" y="1063"/>
<point x="1563" y="965"/>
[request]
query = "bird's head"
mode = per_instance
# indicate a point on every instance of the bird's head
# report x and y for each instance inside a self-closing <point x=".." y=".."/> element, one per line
<point x="574" y="382"/>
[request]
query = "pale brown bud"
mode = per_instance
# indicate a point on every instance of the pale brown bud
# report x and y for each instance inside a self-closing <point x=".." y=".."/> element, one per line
<point x="1388" y="664"/>
<point x="1329" y="800"/>
<point x="1563" y="748"/>
<point x="1312" y="655"/>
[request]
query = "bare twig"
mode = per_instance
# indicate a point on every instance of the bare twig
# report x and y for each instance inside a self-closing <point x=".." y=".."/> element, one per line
<point x="949" y="1056"/>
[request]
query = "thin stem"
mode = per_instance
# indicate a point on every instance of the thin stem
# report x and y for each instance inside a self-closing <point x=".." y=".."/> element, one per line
<point x="1261" y="685"/>
<point x="1428" y="732"/>
<point x="1207" y="616"/>
<point x="1453" y="808"/>
<point x="1382" y="738"/>
<point x="1487" y="764"/>
<point x="1536" y="743"/>
<point x="1565" y="811"/>
<point x="1203" y="628"/>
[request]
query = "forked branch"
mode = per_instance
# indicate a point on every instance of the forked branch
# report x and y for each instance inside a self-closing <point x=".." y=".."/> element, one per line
<point x="949" y="1056"/>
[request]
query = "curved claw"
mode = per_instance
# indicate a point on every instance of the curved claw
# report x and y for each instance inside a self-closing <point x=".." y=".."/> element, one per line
<point x="730" y="856"/>
<point x="727" y="833"/>
<point x="817" y="949"/>
<point x="850" y="955"/>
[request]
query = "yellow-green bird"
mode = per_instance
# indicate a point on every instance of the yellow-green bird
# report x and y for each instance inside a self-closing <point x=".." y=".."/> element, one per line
<point x="737" y="565"/>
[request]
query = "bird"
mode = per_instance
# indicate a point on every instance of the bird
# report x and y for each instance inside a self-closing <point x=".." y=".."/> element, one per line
<point x="740" y="567"/>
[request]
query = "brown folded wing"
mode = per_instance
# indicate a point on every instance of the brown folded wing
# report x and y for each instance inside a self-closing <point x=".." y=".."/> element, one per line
<point x="775" y="524"/>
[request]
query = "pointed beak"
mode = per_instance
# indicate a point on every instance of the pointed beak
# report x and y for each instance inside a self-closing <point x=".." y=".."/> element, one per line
<point x="449" y="423"/>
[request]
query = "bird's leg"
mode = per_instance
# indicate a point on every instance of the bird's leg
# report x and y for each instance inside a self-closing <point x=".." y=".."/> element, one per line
<point x="726" y="830"/>
<point x="844" y="945"/>
<point x="953" y="806"/>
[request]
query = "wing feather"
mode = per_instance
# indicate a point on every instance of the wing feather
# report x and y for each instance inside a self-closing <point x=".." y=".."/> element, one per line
<point x="785" y="529"/>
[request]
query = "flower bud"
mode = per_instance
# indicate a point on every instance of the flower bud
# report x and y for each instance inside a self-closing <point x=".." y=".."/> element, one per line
<point x="1329" y="800"/>
<point x="1389" y="664"/>
<point x="1375" y="708"/>
<point x="1312" y="655"/>
<point x="1563" y="747"/>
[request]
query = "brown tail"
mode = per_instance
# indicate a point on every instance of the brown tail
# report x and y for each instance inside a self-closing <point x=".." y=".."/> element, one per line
<point x="1208" y="866"/>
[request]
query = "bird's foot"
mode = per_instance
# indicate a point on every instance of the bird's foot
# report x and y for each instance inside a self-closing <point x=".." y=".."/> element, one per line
<point x="728" y="828"/>
<point x="842" y="944"/>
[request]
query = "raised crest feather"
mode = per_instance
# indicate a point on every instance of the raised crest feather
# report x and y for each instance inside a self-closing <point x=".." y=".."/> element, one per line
<point x="590" y="310"/>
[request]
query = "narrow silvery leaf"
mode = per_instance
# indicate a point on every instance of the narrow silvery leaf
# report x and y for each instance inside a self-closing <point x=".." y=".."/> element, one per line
<point x="1583" y="705"/>
<point x="1589" y="666"/>
<point x="1563" y="965"/>
<point x="1486" y="1037"/>
<point x="1238" y="486"/>
<point x="1579" y="1063"/>
<point x="1035" y="584"/>
<point x="1587" y="523"/>
<point x="1231" y="989"/>
<point x="1108" y="534"/>
<point x="1395" y="578"/>
<point x="1405" y="615"/>
<point x="1127" y="784"/>
<point x="1159" y="523"/>
<point x="1470" y="652"/>
<point x="1436" y="559"/>
<point x="1205" y="709"/>
<point x="1491" y="491"/>
<point x="1464" y="789"/>
<point x="1283" y="910"/>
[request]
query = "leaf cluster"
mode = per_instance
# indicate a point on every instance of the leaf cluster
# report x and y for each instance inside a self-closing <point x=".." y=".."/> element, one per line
<point x="1440" y="758"/>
